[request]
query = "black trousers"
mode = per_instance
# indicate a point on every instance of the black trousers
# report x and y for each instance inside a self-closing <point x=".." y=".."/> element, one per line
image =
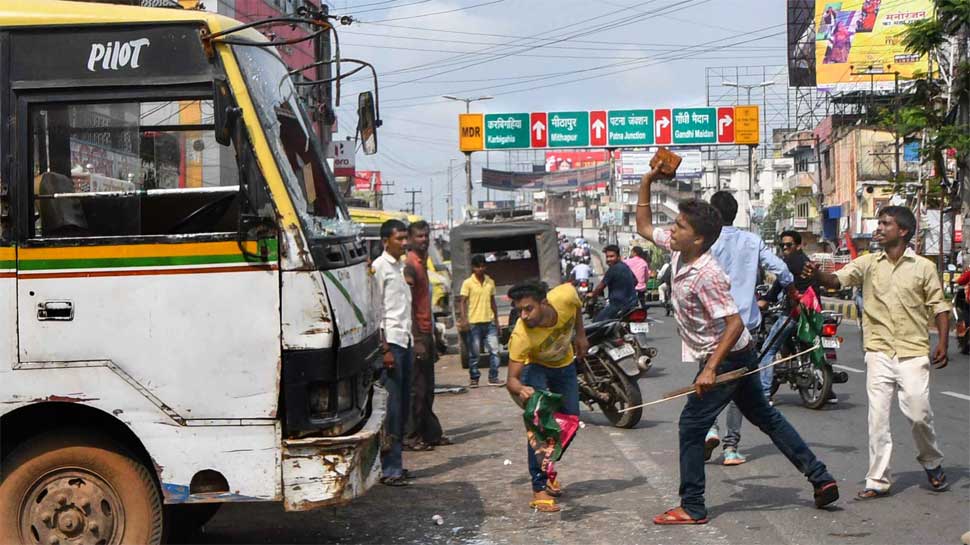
<point x="423" y="425"/>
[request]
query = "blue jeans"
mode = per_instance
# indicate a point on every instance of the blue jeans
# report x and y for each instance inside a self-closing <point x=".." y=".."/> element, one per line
<point x="397" y="382"/>
<point x="700" y="412"/>
<point x="489" y="333"/>
<point x="562" y="381"/>
<point x="776" y="337"/>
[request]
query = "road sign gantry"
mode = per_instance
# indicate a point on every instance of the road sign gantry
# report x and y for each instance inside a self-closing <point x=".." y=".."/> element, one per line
<point x="728" y="125"/>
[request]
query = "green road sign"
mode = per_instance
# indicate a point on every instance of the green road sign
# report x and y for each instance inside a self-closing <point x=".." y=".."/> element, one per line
<point x="630" y="127"/>
<point x="568" y="129"/>
<point x="506" y="131"/>
<point x="695" y="126"/>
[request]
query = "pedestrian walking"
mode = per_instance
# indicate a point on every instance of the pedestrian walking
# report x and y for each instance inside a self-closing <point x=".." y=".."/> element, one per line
<point x="547" y="338"/>
<point x="901" y="292"/>
<point x="423" y="431"/>
<point x="742" y="255"/>
<point x="395" y="297"/>
<point x="715" y="338"/>
<point x="640" y="266"/>
<point x="479" y="317"/>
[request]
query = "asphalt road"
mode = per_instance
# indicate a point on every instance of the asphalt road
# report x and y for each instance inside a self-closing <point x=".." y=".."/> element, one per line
<point x="617" y="480"/>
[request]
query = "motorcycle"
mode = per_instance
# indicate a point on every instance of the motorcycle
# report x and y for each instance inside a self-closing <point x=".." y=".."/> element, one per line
<point x="609" y="373"/>
<point x="583" y="287"/>
<point x="814" y="384"/>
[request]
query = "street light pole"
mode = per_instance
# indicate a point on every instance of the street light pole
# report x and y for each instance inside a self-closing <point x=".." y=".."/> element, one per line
<point x="468" y="154"/>
<point x="751" y="172"/>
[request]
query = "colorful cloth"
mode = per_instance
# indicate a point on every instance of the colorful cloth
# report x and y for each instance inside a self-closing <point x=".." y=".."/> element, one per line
<point x="548" y="431"/>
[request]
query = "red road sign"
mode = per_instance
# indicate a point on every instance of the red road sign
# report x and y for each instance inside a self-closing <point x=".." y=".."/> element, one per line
<point x="597" y="128"/>
<point x="538" y="129"/>
<point x="725" y="125"/>
<point x="663" y="126"/>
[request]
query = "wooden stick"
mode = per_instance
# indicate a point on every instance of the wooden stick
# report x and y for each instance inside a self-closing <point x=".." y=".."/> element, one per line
<point x="724" y="377"/>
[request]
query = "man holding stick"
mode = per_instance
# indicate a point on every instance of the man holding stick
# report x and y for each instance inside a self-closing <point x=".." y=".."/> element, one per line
<point x="900" y="290"/>
<point x="715" y="338"/>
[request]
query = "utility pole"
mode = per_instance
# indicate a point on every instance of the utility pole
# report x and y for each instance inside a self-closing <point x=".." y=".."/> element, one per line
<point x="431" y="201"/>
<point x="413" y="193"/>
<point x="751" y="169"/>
<point x="468" y="155"/>
<point x="451" y="194"/>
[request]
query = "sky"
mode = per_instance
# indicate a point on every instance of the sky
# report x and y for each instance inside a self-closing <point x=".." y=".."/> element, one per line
<point x="530" y="55"/>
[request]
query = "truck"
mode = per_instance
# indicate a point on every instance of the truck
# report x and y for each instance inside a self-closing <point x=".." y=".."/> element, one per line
<point x="515" y="251"/>
<point x="188" y="317"/>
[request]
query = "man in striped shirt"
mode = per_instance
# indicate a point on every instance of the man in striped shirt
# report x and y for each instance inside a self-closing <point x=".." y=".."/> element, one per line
<point x="714" y="337"/>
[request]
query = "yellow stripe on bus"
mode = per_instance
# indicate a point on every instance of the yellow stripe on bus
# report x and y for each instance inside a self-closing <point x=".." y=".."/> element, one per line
<point x="134" y="250"/>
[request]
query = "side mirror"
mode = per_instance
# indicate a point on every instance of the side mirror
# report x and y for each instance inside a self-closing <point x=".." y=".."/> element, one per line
<point x="225" y="113"/>
<point x="367" y="122"/>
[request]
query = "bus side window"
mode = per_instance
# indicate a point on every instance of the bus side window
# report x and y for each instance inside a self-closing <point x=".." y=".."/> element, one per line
<point x="136" y="168"/>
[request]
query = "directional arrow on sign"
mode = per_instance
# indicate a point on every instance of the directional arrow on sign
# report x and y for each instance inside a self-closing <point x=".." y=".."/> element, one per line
<point x="538" y="129"/>
<point x="598" y="128"/>
<point x="663" y="128"/>
<point x="726" y="125"/>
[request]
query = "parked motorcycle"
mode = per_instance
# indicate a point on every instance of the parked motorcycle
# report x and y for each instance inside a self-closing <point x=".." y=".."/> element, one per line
<point x="609" y="373"/>
<point x="814" y="384"/>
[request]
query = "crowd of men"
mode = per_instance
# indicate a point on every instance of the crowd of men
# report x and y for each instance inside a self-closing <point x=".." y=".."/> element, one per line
<point x="711" y="278"/>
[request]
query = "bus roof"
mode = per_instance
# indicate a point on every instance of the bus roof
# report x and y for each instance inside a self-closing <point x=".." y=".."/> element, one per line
<point x="373" y="216"/>
<point x="56" y="12"/>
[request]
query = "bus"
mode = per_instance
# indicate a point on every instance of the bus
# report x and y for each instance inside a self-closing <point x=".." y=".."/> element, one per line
<point x="187" y="314"/>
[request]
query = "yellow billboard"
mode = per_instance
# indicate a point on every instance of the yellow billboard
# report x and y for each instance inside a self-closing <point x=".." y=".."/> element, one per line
<point x="858" y="43"/>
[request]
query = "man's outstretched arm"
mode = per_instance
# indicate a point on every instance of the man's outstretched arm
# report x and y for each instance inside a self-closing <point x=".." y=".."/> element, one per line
<point x="644" y="214"/>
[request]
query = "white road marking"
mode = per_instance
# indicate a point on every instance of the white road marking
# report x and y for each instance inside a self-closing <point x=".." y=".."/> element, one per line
<point x="956" y="395"/>
<point x="847" y="368"/>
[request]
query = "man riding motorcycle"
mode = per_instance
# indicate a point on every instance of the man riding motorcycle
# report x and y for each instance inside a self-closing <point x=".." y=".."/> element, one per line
<point x="795" y="259"/>
<point x="622" y="284"/>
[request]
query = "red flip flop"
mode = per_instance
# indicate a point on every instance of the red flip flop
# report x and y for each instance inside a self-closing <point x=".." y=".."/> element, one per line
<point x="677" y="517"/>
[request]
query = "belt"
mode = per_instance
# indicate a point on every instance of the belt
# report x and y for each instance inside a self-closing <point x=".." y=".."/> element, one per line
<point x="744" y="350"/>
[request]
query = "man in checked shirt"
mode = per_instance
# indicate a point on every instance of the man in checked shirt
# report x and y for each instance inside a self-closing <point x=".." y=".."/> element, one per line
<point x="714" y="337"/>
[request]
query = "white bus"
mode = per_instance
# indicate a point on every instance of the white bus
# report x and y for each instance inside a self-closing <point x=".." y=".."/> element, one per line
<point x="186" y="311"/>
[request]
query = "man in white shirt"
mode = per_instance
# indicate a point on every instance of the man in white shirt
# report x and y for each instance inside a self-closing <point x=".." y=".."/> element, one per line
<point x="398" y="350"/>
<point x="582" y="272"/>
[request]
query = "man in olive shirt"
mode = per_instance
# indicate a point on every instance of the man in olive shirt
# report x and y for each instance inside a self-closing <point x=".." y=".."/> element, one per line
<point x="900" y="289"/>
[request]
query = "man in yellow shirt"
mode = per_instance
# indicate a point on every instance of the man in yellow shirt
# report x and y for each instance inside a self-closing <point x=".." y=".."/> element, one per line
<point x="478" y="316"/>
<point x="547" y="338"/>
<point x="900" y="291"/>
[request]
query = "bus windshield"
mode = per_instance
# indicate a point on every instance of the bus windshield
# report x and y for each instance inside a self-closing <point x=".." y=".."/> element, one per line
<point x="295" y="146"/>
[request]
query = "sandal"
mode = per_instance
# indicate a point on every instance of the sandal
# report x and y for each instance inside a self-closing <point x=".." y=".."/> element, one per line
<point x="937" y="479"/>
<point x="554" y="488"/>
<point x="545" y="506"/>
<point x="826" y="494"/>
<point x="398" y="480"/>
<point x="677" y="517"/>
<point x="419" y="446"/>
<point x="871" y="494"/>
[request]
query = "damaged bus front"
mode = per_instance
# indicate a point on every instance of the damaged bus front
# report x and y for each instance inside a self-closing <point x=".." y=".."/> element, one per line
<point x="187" y="308"/>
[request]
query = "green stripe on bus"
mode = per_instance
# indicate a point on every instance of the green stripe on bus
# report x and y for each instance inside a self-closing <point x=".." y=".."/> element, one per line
<point x="115" y="262"/>
<point x="340" y="287"/>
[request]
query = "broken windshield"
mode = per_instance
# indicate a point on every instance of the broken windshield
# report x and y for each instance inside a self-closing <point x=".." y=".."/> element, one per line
<point x="295" y="146"/>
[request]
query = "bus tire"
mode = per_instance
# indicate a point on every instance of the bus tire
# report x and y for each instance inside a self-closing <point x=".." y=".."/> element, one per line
<point x="59" y="486"/>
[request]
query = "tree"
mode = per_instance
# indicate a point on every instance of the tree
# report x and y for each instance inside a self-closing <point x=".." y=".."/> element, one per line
<point x="782" y="207"/>
<point x="939" y="107"/>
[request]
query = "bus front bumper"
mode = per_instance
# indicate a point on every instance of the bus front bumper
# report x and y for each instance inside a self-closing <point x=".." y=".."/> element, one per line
<point x="329" y="471"/>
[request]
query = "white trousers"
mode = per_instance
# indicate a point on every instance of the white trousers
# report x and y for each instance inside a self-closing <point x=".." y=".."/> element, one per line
<point x="911" y="378"/>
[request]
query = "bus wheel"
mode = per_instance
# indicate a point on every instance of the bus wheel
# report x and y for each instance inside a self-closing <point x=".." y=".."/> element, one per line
<point x="79" y="489"/>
